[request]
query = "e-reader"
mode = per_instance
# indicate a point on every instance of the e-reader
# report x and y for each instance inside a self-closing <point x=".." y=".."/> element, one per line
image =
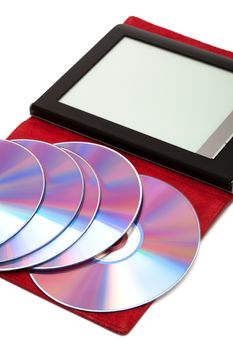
<point x="155" y="97"/>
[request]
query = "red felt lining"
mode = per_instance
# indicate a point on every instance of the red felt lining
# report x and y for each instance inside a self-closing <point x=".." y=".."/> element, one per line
<point x="207" y="200"/>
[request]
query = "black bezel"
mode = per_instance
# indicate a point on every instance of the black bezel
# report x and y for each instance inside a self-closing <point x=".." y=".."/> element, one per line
<point x="217" y="171"/>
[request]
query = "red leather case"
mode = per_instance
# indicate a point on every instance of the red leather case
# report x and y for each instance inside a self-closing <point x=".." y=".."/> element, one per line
<point x="207" y="201"/>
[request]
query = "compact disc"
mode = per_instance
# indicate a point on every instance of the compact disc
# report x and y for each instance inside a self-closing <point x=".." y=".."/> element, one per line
<point x="21" y="188"/>
<point x="77" y="227"/>
<point x="153" y="258"/>
<point x="121" y="195"/>
<point x="62" y="198"/>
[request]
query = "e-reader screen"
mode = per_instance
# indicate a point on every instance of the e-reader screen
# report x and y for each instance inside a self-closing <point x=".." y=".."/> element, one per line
<point x="165" y="95"/>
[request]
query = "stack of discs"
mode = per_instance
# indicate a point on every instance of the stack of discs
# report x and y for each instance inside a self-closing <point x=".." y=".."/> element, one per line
<point x="95" y="234"/>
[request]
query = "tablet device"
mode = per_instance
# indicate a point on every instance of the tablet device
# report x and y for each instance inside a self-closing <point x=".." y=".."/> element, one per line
<point x="155" y="97"/>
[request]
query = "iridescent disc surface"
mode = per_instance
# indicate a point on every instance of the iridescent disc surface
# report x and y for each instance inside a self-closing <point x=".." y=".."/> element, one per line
<point x="62" y="198"/>
<point x="77" y="227"/>
<point x="121" y="195"/>
<point x="21" y="188"/>
<point x="156" y="255"/>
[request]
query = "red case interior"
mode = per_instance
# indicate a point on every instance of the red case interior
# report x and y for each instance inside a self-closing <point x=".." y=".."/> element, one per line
<point x="207" y="201"/>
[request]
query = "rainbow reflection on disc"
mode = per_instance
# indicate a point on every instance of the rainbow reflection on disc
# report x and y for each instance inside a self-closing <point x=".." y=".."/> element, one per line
<point x="77" y="227"/>
<point x="121" y="195"/>
<point x="21" y="188"/>
<point x="62" y="197"/>
<point x="157" y="254"/>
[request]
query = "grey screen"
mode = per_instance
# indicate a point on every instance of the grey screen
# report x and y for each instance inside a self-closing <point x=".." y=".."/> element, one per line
<point x="162" y="94"/>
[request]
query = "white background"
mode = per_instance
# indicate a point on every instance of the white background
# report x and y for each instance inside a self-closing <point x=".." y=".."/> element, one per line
<point x="40" y="40"/>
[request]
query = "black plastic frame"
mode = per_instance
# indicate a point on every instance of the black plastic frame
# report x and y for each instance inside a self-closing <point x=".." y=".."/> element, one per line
<point x="218" y="171"/>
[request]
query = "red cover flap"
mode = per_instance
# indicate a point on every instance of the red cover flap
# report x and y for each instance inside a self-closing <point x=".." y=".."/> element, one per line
<point x="207" y="201"/>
